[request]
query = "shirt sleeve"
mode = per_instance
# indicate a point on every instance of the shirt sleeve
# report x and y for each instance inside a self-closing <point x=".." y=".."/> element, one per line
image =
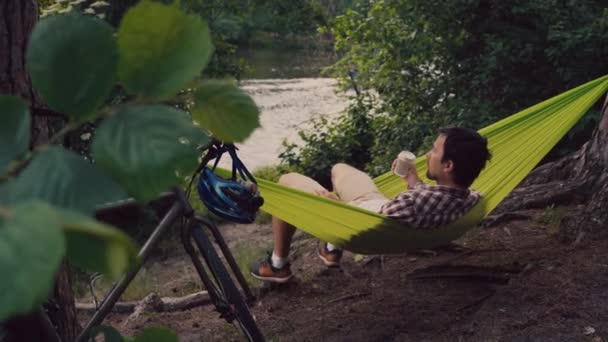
<point x="401" y="208"/>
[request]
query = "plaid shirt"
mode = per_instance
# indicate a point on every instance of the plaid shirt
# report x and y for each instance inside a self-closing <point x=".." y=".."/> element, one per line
<point x="430" y="206"/>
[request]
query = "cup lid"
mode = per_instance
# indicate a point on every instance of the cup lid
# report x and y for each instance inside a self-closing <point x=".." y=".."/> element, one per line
<point x="406" y="155"/>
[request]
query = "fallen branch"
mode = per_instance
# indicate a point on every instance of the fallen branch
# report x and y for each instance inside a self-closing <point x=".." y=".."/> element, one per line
<point x="165" y="304"/>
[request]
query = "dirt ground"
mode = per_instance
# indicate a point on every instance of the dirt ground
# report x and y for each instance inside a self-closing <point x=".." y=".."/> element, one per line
<point x="512" y="282"/>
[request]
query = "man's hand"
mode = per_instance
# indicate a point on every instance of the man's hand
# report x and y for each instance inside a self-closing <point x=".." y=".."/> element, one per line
<point x="412" y="176"/>
<point x="327" y="194"/>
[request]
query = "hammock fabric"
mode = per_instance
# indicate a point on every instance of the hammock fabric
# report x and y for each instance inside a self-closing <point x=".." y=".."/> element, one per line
<point x="518" y="143"/>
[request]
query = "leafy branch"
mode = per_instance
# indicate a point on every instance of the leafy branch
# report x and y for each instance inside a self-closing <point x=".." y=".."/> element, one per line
<point x="48" y="196"/>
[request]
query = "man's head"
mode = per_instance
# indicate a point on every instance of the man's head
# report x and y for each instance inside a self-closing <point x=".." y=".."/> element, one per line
<point x="457" y="157"/>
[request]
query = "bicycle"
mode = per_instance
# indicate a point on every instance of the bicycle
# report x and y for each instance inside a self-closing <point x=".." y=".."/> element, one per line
<point x="222" y="291"/>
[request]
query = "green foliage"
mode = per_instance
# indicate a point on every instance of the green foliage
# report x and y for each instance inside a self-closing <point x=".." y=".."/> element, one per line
<point x="63" y="179"/>
<point x="97" y="247"/>
<point x="75" y="70"/>
<point x="55" y="7"/>
<point x="32" y="246"/>
<point x="235" y="21"/>
<point x="240" y="114"/>
<point x="271" y="173"/>
<point x="48" y="194"/>
<point x="14" y="131"/>
<point x="286" y="17"/>
<point x="459" y="62"/>
<point x="157" y="60"/>
<point x="145" y="146"/>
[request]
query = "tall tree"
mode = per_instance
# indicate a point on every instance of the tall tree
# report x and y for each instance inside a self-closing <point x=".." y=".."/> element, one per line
<point x="581" y="177"/>
<point x="18" y="20"/>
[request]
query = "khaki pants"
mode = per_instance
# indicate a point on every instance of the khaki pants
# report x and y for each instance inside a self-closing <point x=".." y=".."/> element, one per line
<point x="351" y="185"/>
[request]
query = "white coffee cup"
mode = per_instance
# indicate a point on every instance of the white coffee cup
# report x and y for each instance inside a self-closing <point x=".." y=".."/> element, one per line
<point x="405" y="161"/>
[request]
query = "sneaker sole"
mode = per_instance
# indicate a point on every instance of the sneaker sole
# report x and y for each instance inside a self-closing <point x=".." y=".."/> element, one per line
<point x="327" y="262"/>
<point x="272" y="279"/>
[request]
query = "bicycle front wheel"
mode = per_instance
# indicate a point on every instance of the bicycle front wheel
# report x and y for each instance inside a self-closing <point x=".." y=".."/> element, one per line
<point x="226" y="286"/>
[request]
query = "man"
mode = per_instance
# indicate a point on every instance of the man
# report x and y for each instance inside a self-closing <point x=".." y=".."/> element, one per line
<point x="456" y="159"/>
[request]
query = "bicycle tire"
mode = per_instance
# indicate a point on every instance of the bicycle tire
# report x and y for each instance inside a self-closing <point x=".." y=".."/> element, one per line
<point x="229" y="290"/>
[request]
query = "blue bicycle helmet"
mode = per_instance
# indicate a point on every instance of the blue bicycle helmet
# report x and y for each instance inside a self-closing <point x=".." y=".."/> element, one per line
<point x="230" y="199"/>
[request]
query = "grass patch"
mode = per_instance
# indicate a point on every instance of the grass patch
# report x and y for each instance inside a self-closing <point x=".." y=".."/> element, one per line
<point x="263" y="218"/>
<point x="142" y="285"/>
<point x="271" y="173"/>
<point x="551" y="218"/>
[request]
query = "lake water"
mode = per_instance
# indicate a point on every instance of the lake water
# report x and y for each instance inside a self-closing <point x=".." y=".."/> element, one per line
<point x="287" y="106"/>
<point x="286" y="86"/>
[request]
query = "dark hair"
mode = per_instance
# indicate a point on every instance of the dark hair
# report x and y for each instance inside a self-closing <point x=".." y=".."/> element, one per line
<point x="468" y="150"/>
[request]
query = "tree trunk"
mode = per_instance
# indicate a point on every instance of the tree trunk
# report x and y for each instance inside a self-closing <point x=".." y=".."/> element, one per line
<point x="17" y="19"/>
<point x="581" y="177"/>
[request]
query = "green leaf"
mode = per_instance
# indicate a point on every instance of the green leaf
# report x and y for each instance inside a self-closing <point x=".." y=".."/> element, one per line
<point x="227" y="111"/>
<point x="65" y="180"/>
<point x="31" y="248"/>
<point x="144" y="146"/>
<point x="156" y="335"/>
<point x="14" y="131"/>
<point x="73" y="61"/>
<point x="97" y="247"/>
<point x="161" y="49"/>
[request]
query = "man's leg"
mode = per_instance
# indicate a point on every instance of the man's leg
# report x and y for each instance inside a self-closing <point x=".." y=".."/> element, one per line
<point x="352" y="184"/>
<point x="276" y="268"/>
<point x="283" y="231"/>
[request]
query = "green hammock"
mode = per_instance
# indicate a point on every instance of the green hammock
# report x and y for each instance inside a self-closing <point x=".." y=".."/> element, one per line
<point x="518" y="143"/>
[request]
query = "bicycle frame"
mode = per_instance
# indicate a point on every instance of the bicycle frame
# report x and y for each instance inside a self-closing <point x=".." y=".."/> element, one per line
<point x="179" y="209"/>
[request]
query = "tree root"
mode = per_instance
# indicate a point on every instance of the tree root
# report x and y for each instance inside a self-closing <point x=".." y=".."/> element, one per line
<point x="544" y="195"/>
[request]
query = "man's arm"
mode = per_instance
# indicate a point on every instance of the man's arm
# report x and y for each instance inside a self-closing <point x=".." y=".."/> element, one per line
<point x="402" y="207"/>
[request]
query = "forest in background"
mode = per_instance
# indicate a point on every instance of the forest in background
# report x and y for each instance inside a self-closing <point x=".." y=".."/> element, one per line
<point x="421" y="65"/>
<point x="237" y="25"/>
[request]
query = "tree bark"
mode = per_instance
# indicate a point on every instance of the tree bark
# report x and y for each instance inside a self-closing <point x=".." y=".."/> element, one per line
<point x="17" y="19"/>
<point x="581" y="177"/>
